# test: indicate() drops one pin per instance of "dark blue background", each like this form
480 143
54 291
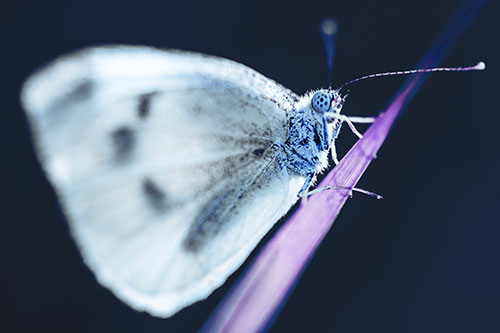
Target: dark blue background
424 259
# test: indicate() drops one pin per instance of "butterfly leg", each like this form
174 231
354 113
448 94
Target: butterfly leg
360 120
304 190
351 120
352 127
326 188
334 153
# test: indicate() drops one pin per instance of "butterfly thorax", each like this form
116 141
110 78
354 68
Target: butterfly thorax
309 137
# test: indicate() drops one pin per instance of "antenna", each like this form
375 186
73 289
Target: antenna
477 67
328 29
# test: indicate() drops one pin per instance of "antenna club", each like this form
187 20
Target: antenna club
480 66
329 26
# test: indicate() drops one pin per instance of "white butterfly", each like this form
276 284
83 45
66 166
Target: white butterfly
171 166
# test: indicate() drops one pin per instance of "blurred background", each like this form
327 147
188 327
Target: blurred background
423 259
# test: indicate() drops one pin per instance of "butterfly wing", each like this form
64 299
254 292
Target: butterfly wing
167 165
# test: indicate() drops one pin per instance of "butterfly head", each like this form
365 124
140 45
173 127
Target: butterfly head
327 102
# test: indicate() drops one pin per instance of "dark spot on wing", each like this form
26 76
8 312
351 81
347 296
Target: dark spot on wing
123 140
155 196
258 152
82 90
144 105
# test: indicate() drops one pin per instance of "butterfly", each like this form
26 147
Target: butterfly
171 166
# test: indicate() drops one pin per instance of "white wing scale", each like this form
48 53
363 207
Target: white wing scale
165 165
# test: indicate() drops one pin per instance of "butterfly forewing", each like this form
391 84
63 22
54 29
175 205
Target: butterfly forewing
166 165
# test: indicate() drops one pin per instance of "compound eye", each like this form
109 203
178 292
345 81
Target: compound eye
321 101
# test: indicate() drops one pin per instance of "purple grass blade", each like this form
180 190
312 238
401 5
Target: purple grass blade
257 297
